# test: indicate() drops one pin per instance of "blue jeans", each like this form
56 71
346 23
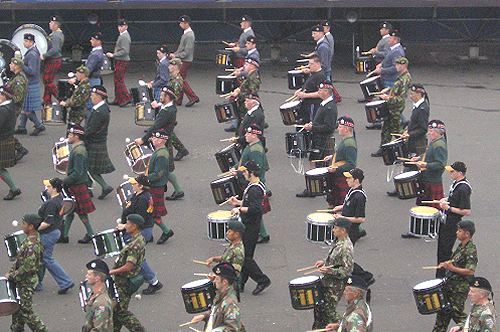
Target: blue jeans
49 240
148 273
156 94
23 118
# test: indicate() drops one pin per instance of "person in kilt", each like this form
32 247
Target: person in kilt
78 100
96 136
7 141
77 181
52 59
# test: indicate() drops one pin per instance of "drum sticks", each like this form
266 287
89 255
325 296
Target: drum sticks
291 98
199 262
432 267
318 330
228 139
317 270
193 329
370 73
431 202
221 175
306 268
225 95
201 274
225 43
186 324
325 210
225 202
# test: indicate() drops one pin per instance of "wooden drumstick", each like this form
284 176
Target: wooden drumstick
298 126
433 267
225 202
228 139
365 53
370 73
304 55
317 161
186 324
301 129
291 98
325 210
397 135
221 175
306 268
411 162
225 42
225 95
201 274
431 202
318 330
199 262
317 270
193 329
228 48
403 159
229 69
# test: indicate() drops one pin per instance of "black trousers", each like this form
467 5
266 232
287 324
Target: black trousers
250 267
446 240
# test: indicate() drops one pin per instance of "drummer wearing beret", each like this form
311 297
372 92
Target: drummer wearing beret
77 103
382 47
483 313
253 116
52 59
99 309
162 75
95 60
387 68
323 50
459 272
240 47
24 273
253 53
18 83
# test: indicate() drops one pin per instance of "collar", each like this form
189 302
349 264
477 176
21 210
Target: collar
96 106
96 48
250 51
327 100
247 29
394 46
167 105
328 33
163 59
253 109
320 40
7 102
385 36
419 102
187 30
121 33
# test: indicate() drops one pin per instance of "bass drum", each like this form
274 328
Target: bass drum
41 40
7 51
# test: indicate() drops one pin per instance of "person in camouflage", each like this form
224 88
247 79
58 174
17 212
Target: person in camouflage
396 100
225 314
358 316
127 275
336 268
78 100
98 309
459 273
18 83
482 317
25 274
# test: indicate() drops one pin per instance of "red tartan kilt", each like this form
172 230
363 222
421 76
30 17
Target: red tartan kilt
51 66
336 95
338 190
431 191
84 204
266 204
238 62
159 208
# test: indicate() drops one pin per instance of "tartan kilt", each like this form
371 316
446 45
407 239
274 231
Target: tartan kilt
338 189
99 162
170 148
50 67
431 191
33 100
84 204
7 152
159 208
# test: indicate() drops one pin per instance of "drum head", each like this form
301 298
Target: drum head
290 104
304 280
7 50
406 175
196 284
369 80
375 103
322 218
40 37
228 148
428 284
426 211
68 206
220 214
108 231
317 171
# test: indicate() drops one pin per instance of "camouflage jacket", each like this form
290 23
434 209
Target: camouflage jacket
251 84
28 261
19 85
225 313
464 257
357 317
482 318
234 255
99 317
175 83
340 257
399 91
80 95
133 252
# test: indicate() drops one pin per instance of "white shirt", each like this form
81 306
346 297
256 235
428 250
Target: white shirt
326 101
187 30
385 36
250 111
418 103
97 48
7 102
247 29
320 40
163 59
96 106
167 105
250 51
394 46
121 33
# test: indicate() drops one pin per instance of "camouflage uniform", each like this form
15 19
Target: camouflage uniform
396 105
175 83
457 287
25 274
341 257
234 255
78 102
225 314
356 317
19 85
482 318
250 84
133 252
99 315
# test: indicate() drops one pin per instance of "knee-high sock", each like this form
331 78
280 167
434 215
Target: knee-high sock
88 227
67 223
5 175
163 226
99 179
173 180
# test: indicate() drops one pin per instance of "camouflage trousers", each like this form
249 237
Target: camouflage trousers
327 312
391 125
456 312
176 143
122 316
26 315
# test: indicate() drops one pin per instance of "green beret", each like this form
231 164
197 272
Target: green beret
32 219
136 219
17 61
83 70
175 61
402 60
236 226
342 222
467 225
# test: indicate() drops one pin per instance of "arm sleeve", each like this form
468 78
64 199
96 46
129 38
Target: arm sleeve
123 47
51 212
463 201
351 156
254 200
440 160
160 169
29 66
78 170
94 126
232 319
188 48
344 269
330 120
91 64
28 265
421 127
163 77
162 120
56 47
360 204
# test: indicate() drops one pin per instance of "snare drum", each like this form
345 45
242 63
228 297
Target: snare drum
144 114
290 112
68 204
198 295
52 115
319 227
217 224
225 111
141 94
108 243
9 298
223 58
60 156
392 150
297 144
86 291
124 192
424 220
13 242
316 181
306 292
407 184
228 157
225 84
429 296
224 188
296 79
64 89
364 64
376 111
371 85
136 157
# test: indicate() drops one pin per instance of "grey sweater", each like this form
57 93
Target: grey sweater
56 41
242 41
32 65
185 51
122 47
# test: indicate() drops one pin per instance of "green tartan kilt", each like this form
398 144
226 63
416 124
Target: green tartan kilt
99 162
7 152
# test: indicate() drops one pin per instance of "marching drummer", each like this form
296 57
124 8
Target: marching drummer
336 268
126 272
80 97
382 47
162 74
95 60
240 47
253 116
225 313
323 50
459 271
387 68
24 273
99 310
253 53
52 59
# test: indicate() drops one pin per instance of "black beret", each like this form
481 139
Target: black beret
56 18
346 121
317 28
185 18
75 128
467 225
342 222
395 33
97 36
254 129
122 21
386 25
162 48
98 265
169 92
480 282
436 124
246 18
252 39
236 226
357 281
100 90
29 36
160 134
225 270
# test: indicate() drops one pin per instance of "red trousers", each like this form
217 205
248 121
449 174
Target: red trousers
50 69
185 86
122 95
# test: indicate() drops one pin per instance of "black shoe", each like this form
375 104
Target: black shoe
152 289
175 196
10 196
105 193
164 237
264 239
408 235
37 131
181 154
269 193
374 126
192 102
21 153
63 239
85 239
377 153
65 290
260 287
362 233
393 193
305 193
230 130
20 131
113 103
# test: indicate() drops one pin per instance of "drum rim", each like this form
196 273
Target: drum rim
312 221
399 176
223 179
422 214
233 78
15 234
107 231
220 211
230 147
376 102
295 71
291 104
198 283
430 286
312 280
325 169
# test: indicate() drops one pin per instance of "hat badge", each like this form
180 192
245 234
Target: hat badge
93 265
349 281
476 283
